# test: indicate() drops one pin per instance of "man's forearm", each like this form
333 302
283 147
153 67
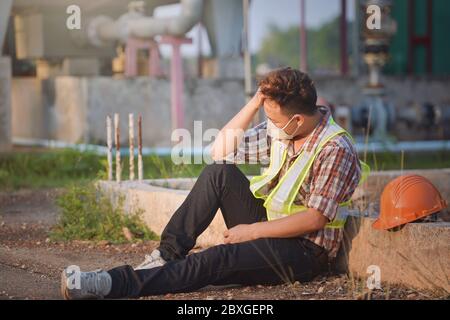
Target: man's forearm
231 135
291 226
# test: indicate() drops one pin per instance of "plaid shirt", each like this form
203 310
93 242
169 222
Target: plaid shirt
333 177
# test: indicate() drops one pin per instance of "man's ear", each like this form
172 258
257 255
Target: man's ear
300 118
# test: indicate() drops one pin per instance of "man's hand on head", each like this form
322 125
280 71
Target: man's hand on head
258 99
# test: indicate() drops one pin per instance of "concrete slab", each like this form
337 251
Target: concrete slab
159 203
416 256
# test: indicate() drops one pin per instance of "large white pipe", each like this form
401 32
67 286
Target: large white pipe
103 29
375 147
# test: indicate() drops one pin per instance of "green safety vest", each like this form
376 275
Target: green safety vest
280 201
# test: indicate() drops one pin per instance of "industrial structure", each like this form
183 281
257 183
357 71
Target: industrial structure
74 76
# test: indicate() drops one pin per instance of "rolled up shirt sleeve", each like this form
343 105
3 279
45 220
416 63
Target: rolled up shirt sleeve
335 176
253 149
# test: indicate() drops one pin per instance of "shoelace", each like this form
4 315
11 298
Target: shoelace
93 283
148 259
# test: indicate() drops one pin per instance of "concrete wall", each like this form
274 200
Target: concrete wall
416 256
5 103
30 113
73 109
70 110
400 90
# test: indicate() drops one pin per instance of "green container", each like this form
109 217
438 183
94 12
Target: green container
398 64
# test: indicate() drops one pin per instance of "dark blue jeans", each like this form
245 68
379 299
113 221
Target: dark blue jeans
263 261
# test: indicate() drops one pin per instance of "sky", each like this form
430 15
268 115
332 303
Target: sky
263 13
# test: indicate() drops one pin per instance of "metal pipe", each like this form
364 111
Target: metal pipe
246 49
407 146
109 144
248 87
200 51
343 35
303 38
102 30
355 40
411 32
177 79
131 142
429 46
117 141
140 163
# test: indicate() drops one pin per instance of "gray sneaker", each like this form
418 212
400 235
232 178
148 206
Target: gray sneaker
90 285
152 261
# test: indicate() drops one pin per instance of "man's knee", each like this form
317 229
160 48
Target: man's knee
219 168
222 175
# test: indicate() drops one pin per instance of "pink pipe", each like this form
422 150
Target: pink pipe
176 69
131 52
176 74
154 63
130 59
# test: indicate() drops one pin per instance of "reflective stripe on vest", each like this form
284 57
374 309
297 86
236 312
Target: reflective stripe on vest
280 201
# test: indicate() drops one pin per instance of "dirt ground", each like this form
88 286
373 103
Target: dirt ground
30 264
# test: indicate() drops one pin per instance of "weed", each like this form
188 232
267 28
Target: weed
88 214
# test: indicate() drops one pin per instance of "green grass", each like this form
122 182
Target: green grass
88 214
392 161
64 168
47 169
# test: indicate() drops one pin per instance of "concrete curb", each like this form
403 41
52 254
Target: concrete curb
416 256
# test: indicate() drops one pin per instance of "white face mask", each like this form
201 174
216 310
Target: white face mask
279 133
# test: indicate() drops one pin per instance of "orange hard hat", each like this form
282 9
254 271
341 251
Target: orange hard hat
407 199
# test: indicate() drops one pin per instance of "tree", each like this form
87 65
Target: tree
282 47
